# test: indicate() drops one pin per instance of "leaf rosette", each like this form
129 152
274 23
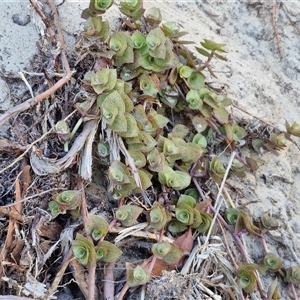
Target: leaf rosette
119 173
139 42
278 140
156 40
96 227
95 26
104 80
293 275
268 223
84 250
153 16
100 6
193 99
247 277
136 275
271 262
132 8
206 220
231 215
156 160
177 180
158 216
217 169
170 253
127 214
68 200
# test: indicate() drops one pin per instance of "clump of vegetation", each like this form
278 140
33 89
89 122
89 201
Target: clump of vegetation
163 135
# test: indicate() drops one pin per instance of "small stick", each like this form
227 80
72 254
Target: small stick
84 215
274 13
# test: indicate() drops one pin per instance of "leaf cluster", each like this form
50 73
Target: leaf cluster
84 248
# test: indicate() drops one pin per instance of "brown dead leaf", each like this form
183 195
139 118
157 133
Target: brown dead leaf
11 148
185 241
159 266
156 81
50 230
26 178
16 251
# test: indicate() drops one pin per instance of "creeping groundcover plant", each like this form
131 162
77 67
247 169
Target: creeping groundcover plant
168 143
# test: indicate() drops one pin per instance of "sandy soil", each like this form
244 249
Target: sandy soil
254 76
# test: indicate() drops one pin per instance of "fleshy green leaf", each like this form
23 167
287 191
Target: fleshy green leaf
127 214
196 80
103 149
107 252
147 85
221 115
211 45
173 255
187 200
118 173
175 226
268 223
199 123
293 129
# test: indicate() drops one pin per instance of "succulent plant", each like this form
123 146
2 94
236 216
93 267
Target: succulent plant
271 262
67 200
158 216
84 250
170 253
96 227
247 277
127 214
136 275
293 275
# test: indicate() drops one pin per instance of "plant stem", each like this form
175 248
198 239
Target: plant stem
79 122
293 291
